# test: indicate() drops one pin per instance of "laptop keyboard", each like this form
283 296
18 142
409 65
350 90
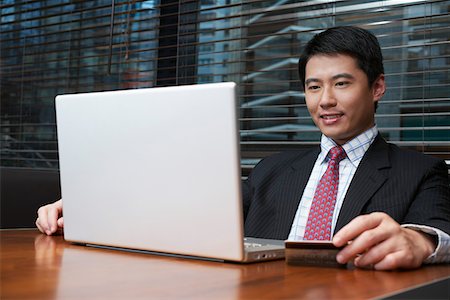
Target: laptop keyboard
257 244
249 245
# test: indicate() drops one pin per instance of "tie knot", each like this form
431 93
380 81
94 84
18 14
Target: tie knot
337 153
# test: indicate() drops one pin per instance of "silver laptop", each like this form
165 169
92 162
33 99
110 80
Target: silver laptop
156 169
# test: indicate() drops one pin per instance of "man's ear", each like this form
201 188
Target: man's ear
379 88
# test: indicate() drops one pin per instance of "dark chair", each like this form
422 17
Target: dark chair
23 191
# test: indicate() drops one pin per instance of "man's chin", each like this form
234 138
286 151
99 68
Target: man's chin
338 137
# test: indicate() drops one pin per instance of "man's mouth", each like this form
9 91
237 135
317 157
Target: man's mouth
331 117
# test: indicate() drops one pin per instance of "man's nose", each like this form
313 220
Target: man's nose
327 98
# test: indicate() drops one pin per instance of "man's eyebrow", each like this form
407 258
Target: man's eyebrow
343 75
335 77
309 80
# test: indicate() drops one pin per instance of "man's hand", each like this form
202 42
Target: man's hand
50 218
379 241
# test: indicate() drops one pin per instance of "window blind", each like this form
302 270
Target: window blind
53 47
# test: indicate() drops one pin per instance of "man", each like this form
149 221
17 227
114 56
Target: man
370 187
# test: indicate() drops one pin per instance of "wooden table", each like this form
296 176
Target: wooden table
36 266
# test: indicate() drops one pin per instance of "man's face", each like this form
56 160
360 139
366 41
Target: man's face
338 96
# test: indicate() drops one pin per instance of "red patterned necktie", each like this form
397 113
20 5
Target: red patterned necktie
320 218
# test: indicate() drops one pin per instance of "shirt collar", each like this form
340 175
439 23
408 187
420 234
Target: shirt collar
355 148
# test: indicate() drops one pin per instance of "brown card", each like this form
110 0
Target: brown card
312 253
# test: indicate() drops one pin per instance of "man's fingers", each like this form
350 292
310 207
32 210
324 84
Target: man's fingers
42 220
48 217
363 244
364 233
388 262
53 215
61 222
378 240
356 227
375 254
396 260
39 226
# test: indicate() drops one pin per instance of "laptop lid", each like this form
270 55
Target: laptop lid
154 169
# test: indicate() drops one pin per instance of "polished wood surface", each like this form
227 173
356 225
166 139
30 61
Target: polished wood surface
36 266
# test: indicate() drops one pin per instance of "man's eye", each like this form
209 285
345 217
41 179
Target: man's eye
313 87
342 83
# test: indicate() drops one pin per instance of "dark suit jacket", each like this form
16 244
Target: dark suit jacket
407 185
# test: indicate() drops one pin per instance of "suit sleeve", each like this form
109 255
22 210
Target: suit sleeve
431 205
246 197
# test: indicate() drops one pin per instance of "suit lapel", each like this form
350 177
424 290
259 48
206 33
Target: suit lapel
295 179
367 180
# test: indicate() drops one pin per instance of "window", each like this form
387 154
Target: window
54 47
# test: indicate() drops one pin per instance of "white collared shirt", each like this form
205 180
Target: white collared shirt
355 150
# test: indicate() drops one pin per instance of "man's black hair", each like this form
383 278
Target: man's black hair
353 41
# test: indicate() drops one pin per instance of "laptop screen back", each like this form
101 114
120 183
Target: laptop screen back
153 169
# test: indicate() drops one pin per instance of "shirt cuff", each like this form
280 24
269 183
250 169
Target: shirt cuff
441 253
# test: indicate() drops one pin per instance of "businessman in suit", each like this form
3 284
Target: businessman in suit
389 207
380 185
